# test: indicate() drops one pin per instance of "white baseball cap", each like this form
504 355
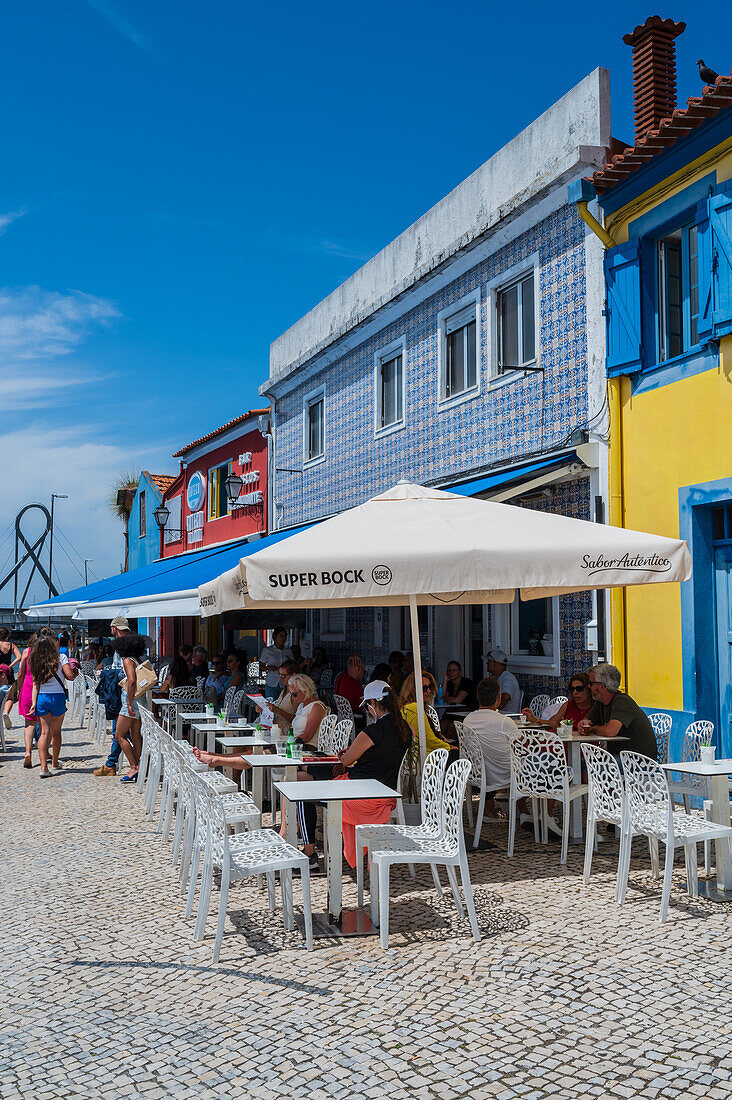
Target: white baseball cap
497 655
376 690
120 622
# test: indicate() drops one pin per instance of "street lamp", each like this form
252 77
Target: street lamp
233 486
86 575
54 498
162 515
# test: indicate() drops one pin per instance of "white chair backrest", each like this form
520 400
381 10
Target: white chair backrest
538 705
453 793
661 723
342 735
647 796
238 701
326 730
188 692
558 699
697 734
326 678
343 707
606 783
538 763
472 750
433 717
433 775
229 700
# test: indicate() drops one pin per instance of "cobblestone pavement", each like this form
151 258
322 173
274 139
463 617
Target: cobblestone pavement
567 995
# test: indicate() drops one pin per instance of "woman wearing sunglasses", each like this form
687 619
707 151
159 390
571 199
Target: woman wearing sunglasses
578 704
408 704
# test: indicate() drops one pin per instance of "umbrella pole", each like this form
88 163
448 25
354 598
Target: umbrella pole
418 694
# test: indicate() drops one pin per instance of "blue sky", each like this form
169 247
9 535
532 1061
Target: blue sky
183 180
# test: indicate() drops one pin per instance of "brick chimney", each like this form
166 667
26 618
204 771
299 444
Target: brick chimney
654 71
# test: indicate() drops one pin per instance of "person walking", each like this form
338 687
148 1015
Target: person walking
48 700
24 687
119 628
128 731
11 656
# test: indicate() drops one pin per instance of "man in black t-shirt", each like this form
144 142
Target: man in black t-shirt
615 714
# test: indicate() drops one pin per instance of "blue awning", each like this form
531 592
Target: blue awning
167 587
513 475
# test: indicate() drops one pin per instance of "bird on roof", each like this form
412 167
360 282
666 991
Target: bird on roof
708 75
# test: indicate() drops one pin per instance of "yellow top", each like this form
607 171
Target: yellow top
432 741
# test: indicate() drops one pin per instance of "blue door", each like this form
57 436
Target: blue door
723 586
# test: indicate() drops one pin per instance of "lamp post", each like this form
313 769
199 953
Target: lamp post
54 498
86 575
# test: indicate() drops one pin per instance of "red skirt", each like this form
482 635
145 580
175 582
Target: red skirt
367 811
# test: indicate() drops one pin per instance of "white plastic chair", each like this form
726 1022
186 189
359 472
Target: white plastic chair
433 717
472 750
606 803
539 770
256 853
558 700
538 705
343 708
661 723
649 810
430 825
697 734
448 849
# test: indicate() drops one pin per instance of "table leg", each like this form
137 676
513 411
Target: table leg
291 813
575 820
720 813
179 723
335 860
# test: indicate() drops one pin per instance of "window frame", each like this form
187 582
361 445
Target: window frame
143 514
174 531
309 400
210 495
333 635
443 318
384 355
505 631
683 225
504 281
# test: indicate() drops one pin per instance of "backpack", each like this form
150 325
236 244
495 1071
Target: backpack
108 691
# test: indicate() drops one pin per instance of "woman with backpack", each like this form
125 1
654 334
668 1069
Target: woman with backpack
48 699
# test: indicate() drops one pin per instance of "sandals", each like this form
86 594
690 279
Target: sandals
129 778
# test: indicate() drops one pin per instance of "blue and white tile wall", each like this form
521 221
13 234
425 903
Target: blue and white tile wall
531 413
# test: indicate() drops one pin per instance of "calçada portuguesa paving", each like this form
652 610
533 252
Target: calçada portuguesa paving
106 994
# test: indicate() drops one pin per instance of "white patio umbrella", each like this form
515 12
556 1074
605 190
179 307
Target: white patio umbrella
414 546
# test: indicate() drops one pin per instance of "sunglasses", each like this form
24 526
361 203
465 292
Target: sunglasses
578 687
426 687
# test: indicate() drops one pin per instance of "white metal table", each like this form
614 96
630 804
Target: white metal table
213 731
717 778
335 792
258 764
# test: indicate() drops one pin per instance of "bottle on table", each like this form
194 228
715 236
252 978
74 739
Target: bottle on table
290 749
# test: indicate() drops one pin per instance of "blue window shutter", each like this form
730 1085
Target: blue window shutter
704 259
622 281
720 222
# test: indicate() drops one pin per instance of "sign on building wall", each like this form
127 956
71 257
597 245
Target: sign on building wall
194 527
196 492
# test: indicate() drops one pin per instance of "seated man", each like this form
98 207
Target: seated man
615 714
493 730
349 684
510 691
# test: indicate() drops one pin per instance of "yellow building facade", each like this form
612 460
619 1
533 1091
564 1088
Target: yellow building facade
667 214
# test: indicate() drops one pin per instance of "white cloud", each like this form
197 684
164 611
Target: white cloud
121 24
37 323
9 218
80 462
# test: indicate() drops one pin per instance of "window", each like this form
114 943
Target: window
529 632
218 503
143 516
461 358
333 622
677 259
389 387
172 531
516 322
314 442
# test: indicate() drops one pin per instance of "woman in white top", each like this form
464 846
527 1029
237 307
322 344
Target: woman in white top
48 701
309 712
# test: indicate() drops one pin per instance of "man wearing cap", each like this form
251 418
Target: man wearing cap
119 627
496 662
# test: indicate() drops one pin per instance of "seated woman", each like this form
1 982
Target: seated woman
178 675
234 663
408 704
578 704
458 691
376 753
217 681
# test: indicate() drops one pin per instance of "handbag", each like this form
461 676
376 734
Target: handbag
147 678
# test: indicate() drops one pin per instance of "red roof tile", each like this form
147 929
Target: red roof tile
219 431
715 98
163 481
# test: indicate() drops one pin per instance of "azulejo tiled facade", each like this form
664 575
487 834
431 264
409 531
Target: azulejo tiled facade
505 420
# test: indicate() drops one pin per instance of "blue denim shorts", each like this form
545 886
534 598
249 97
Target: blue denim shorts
135 706
51 702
